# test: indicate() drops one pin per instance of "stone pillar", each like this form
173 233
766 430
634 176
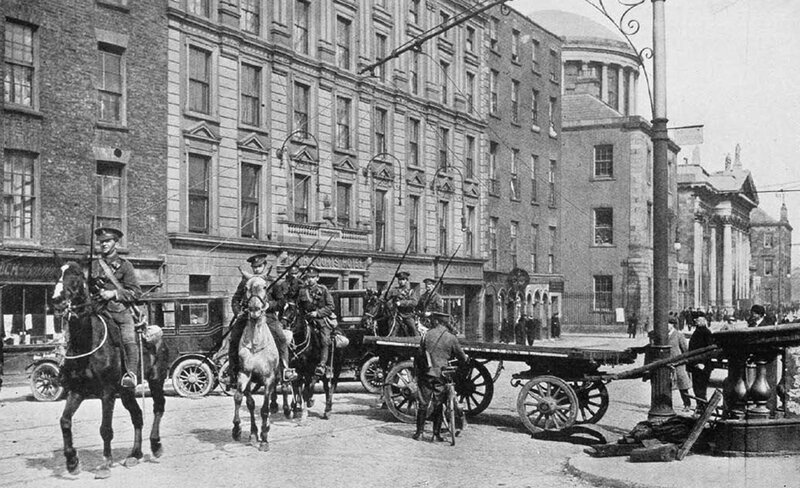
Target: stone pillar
604 83
697 260
712 269
621 91
727 266
631 92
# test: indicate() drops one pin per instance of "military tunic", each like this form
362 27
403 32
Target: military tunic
403 299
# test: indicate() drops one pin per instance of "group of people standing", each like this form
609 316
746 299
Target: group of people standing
528 329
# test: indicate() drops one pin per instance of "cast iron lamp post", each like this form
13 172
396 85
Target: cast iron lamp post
661 387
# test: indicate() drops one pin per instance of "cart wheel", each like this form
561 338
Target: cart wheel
400 392
193 378
44 383
547 403
223 380
372 375
474 388
592 400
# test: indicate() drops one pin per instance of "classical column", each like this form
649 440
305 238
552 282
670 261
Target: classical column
698 262
604 83
727 265
621 91
634 90
713 282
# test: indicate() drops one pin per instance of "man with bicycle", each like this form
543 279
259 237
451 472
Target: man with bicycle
436 349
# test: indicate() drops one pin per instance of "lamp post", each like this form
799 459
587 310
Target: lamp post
379 157
661 388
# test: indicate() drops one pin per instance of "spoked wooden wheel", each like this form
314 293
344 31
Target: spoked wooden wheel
592 400
372 375
400 392
474 388
547 403
44 382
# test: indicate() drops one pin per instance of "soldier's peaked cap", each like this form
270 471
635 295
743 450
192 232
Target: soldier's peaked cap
106 233
312 271
759 309
429 280
257 259
402 275
440 316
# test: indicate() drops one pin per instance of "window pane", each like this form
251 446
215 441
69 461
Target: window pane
301 198
251 18
343 204
199 80
301 27
250 184
198 193
18 195
251 95
18 78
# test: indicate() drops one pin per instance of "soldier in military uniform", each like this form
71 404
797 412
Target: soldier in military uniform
316 304
437 347
430 301
275 302
402 299
290 289
114 283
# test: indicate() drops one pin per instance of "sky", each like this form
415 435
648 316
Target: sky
732 66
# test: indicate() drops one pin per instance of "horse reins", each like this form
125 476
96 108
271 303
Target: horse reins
105 335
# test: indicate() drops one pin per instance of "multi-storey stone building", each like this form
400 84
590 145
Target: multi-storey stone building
771 259
277 140
84 133
523 177
607 179
714 233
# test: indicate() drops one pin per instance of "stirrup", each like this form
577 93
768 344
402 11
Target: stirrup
319 371
128 380
289 375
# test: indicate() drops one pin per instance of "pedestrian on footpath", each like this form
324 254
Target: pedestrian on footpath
700 371
555 326
633 324
680 377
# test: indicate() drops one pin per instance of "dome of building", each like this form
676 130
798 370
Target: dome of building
574 27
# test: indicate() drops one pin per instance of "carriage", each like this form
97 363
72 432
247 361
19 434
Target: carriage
564 385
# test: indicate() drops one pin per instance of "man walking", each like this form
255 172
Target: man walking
114 282
700 371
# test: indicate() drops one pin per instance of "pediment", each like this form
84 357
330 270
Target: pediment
303 155
472 191
253 142
446 186
203 132
416 179
384 173
346 165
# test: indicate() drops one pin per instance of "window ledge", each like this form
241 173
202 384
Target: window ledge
253 128
603 178
347 152
603 246
516 62
111 126
536 70
115 5
516 124
535 202
516 200
536 128
494 115
495 52
199 115
23 109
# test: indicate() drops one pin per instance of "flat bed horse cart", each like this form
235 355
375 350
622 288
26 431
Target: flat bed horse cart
564 386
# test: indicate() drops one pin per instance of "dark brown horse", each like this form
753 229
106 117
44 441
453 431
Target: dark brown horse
304 354
93 367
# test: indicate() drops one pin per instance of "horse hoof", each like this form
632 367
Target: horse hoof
274 408
74 467
102 474
310 403
130 462
263 447
236 433
287 413
156 448
326 416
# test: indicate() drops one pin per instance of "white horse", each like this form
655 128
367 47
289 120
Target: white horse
258 361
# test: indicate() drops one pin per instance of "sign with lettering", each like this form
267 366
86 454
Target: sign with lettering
18 270
333 262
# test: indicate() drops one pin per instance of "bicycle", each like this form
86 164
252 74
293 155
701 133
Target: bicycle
453 418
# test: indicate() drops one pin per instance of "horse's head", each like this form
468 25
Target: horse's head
256 287
71 288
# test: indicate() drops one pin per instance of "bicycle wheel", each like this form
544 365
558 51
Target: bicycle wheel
450 414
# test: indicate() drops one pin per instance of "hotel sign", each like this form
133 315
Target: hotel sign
334 262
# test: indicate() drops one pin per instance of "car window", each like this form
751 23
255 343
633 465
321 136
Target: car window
194 315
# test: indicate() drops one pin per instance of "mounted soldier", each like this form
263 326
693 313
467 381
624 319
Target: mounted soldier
274 303
315 303
430 301
114 282
403 301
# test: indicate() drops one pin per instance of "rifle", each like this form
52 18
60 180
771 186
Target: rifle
315 257
441 276
389 286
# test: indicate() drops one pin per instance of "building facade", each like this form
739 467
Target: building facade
277 140
523 207
608 180
771 260
84 133
714 233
